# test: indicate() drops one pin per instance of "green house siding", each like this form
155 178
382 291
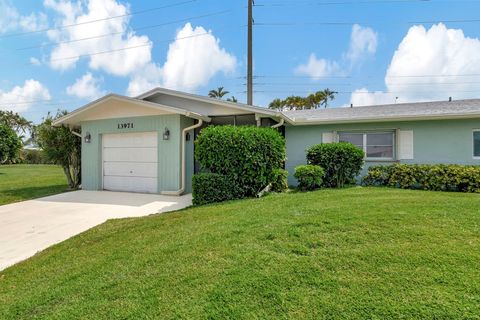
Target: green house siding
189 160
169 157
440 141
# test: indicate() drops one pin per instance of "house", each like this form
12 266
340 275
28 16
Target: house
145 144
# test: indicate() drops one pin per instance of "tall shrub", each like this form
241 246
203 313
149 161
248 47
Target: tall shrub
10 145
342 162
248 156
61 147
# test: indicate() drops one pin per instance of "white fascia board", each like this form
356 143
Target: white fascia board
306 122
133 101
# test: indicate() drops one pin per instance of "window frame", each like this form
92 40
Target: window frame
473 144
365 146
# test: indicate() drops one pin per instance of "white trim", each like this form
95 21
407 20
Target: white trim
473 144
142 103
306 122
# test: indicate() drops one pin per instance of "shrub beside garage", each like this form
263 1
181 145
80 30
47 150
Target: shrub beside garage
242 161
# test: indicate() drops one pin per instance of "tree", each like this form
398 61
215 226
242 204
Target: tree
232 99
312 101
277 104
328 95
10 144
15 121
218 93
61 147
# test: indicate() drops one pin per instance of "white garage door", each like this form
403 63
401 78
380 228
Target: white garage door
130 162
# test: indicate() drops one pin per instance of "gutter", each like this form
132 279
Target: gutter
182 186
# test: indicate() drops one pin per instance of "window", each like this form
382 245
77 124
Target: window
376 145
476 144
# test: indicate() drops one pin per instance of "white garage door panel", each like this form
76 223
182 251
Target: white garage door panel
125 140
131 184
130 155
127 169
130 162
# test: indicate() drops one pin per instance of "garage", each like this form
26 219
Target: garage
130 162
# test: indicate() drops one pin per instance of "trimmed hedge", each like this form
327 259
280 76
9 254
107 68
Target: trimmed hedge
309 177
342 162
212 187
249 156
440 177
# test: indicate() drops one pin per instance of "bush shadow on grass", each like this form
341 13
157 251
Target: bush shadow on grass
29 193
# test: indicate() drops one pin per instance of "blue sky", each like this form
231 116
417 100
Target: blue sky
375 52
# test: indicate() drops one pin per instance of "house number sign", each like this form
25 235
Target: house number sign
125 125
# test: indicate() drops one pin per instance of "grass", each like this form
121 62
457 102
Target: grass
359 253
24 182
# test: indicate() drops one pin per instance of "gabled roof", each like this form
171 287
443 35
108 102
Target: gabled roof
394 112
75 117
195 97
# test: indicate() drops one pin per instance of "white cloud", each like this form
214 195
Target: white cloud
11 19
21 98
34 61
86 87
363 42
192 60
120 63
434 61
317 68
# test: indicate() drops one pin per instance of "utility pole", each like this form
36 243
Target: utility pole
250 54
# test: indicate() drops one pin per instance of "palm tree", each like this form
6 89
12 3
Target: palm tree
232 99
218 93
277 104
328 94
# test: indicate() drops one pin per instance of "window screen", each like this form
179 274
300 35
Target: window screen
476 144
380 145
376 145
354 138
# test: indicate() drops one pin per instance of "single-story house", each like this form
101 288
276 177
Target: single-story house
145 144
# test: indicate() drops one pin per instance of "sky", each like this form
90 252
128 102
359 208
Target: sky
58 54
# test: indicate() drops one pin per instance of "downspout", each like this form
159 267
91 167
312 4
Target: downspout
76 134
182 180
278 125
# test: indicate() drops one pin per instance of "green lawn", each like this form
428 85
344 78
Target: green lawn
23 182
359 253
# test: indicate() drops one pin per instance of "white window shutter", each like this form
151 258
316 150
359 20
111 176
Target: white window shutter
405 145
328 137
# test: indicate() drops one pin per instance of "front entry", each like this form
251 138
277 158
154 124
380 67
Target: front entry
130 162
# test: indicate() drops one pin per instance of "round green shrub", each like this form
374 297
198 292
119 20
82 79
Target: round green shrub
342 162
309 177
247 155
10 145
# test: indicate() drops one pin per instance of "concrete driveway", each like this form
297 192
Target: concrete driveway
31 226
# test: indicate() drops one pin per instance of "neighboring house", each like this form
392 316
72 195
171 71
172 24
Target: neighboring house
145 144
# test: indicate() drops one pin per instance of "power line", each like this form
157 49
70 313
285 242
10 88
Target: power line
330 3
98 20
121 32
370 22
145 44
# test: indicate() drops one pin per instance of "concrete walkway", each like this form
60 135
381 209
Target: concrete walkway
31 226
